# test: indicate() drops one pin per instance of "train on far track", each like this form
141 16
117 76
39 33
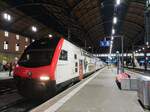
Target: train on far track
49 64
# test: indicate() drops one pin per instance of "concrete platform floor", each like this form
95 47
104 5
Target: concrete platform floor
97 93
5 75
102 95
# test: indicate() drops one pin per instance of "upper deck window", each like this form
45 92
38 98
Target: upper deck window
63 55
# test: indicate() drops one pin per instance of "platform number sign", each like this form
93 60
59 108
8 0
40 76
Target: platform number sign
105 43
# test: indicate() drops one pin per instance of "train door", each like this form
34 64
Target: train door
80 69
75 64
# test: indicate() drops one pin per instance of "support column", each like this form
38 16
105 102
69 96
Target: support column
145 60
133 65
69 33
85 45
122 47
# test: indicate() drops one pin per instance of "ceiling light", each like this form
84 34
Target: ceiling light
143 48
139 49
7 17
117 2
112 38
113 31
115 20
111 42
34 29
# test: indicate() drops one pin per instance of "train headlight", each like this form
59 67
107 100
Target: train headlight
44 78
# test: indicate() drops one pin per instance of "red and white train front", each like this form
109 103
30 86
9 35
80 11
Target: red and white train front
50 64
35 71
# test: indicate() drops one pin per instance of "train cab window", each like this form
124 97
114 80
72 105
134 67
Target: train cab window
76 67
39 53
63 55
75 56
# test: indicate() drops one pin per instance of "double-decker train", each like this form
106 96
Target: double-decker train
51 63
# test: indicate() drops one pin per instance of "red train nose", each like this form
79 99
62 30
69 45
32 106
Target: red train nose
41 73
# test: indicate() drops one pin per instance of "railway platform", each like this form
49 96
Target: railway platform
5 75
97 93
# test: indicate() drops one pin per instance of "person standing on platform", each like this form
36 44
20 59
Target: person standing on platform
10 68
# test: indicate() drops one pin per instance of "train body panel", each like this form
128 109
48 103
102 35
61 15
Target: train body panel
66 66
75 64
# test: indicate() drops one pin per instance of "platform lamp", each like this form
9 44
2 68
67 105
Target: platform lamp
118 59
147 30
115 20
122 50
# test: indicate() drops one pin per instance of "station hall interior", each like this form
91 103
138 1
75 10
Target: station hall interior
75 55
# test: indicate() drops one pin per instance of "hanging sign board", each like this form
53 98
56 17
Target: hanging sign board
105 43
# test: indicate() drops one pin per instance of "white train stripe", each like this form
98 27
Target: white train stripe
63 100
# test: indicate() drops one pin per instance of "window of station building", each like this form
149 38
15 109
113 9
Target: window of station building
26 39
6 33
17 47
63 55
5 45
17 37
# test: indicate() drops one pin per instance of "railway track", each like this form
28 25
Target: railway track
22 105
5 107
7 87
4 91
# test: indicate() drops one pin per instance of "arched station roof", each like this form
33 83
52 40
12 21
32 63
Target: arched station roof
86 20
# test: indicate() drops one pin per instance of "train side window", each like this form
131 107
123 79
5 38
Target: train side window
75 56
63 55
76 64
76 69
